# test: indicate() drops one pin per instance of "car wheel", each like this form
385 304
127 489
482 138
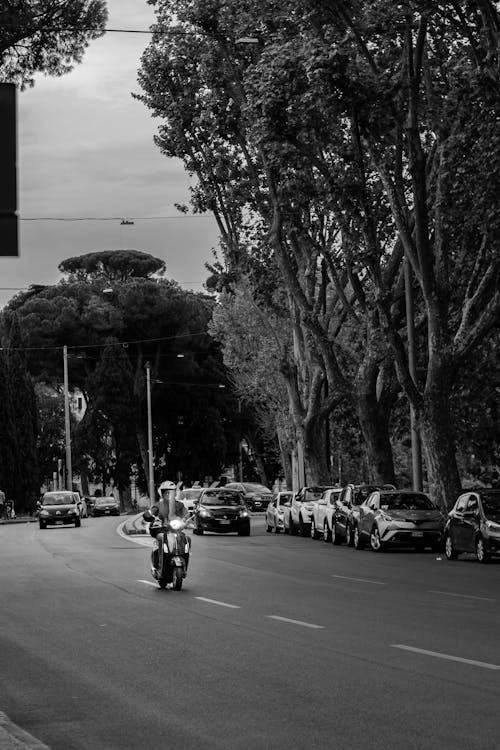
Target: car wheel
375 541
349 536
78 523
162 583
449 549
277 529
199 530
42 525
269 528
327 534
244 532
304 528
482 555
293 528
335 537
358 542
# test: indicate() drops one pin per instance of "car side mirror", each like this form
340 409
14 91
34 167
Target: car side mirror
195 503
148 516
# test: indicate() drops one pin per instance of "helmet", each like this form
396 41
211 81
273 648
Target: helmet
166 486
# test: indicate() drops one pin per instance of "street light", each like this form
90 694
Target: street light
67 435
150 436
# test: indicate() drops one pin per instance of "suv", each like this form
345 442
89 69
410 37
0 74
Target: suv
59 509
473 525
298 517
255 496
347 513
324 514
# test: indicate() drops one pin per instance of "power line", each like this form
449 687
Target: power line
112 218
124 344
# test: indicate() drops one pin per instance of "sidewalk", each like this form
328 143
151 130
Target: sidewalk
135 525
18 519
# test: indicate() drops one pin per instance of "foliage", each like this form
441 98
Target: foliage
46 36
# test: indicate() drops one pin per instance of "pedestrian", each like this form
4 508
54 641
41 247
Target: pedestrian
2 503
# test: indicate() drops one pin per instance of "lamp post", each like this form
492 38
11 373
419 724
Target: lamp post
150 436
67 435
416 447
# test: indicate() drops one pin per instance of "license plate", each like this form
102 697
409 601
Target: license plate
257 505
417 533
58 523
224 521
107 511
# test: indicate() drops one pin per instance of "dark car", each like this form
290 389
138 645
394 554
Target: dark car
59 509
106 506
403 518
256 496
473 525
347 510
221 510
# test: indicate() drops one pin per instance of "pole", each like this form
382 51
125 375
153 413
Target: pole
67 434
150 437
416 447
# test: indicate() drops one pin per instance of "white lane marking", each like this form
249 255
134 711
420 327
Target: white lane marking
148 583
449 657
220 604
363 580
463 596
296 622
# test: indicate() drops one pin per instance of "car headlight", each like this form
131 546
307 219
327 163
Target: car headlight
492 526
243 513
44 513
72 512
205 513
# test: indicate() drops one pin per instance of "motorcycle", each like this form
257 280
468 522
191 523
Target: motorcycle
170 554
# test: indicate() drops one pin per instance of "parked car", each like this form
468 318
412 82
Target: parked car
58 508
399 517
297 518
256 496
473 525
346 517
189 496
324 513
82 505
89 501
275 511
106 506
221 510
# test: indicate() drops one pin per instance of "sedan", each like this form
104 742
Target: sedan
473 525
190 496
58 509
221 510
399 517
256 496
275 511
106 506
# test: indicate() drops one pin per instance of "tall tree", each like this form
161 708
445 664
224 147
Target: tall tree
46 36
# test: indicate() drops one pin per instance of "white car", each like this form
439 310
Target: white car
82 505
298 518
324 513
189 496
275 511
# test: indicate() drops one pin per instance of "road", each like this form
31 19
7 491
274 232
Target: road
275 642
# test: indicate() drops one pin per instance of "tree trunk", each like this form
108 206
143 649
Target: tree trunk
143 450
316 466
439 445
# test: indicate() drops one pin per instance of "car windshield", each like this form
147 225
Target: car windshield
190 494
313 493
361 494
255 488
59 499
221 498
491 502
405 501
105 501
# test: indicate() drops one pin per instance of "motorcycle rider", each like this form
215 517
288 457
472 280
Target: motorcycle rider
168 508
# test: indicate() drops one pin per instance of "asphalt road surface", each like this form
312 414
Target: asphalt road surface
274 642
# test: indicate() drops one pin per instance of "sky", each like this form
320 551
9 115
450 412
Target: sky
85 149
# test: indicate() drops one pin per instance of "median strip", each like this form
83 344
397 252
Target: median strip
449 657
296 622
220 604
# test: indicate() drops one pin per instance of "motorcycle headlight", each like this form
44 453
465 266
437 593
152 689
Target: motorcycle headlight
176 524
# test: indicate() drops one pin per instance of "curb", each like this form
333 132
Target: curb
13 737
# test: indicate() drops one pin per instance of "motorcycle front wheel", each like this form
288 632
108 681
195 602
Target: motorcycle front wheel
177 579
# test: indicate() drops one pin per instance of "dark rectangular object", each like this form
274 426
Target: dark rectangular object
8 171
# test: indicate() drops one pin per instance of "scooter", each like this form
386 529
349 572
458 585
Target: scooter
170 555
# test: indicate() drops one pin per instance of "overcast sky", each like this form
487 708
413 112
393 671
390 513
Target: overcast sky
86 149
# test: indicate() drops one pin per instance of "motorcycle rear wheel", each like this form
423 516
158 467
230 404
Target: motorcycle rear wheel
177 579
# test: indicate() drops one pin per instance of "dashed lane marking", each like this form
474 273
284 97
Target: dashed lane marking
296 622
362 580
449 657
463 596
214 601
